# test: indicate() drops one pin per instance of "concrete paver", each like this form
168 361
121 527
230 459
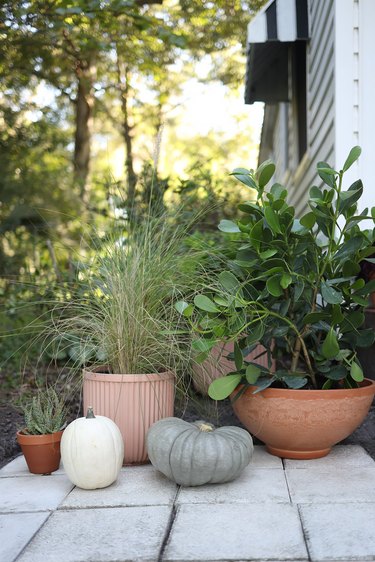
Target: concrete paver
322 510
254 485
139 485
340 531
126 534
342 456
16 530
262 459
331 486
236 532
39 493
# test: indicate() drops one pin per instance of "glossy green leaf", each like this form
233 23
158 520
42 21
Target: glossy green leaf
349 248
294 382
238 357
329 294
229 281
202 345
315 193
243 175
367 289
308 220
286 280
228 226
267 254
352 321
336 373
356 372
314 317
278 191
252 373
273 286
223 387
326 173
181 306
255 333
364 338
351 268
299 287
263 383
272 219
330 347
354 154
204 303
265 172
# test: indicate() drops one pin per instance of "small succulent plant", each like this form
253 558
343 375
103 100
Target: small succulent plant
45 413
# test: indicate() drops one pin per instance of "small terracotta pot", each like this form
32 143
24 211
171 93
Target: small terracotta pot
303 424
42 452
218 365
133 402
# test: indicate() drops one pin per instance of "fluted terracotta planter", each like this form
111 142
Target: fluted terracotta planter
133 402
218 365
41 452
303 424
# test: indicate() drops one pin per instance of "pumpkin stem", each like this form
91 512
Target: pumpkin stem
206 427
90 413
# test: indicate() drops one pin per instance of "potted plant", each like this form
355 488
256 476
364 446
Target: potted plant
45 418
293 288
121 319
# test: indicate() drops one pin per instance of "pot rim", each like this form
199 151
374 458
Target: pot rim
95 374
367 386
40 439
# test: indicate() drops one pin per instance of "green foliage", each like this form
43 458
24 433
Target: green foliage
293 286
122 314
45 413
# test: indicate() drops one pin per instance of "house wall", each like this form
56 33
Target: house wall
340 102
355 91
299 176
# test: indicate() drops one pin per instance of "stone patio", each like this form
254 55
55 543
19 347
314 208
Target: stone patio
320 510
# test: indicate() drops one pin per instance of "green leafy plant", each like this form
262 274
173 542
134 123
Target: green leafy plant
293 286
45 413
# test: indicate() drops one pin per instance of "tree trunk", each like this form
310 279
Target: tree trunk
123 85
83 122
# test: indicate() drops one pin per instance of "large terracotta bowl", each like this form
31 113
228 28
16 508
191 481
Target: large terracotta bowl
303 424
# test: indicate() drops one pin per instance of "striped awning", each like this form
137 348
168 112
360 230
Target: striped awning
279 24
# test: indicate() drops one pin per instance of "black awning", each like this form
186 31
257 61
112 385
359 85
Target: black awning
270 34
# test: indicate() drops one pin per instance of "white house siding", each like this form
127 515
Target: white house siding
299 176
320 103
355 90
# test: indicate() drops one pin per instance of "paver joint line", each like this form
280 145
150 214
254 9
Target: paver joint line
305 532
33 535
169 526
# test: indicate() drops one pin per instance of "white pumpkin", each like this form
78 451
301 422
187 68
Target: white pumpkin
192 454
92 451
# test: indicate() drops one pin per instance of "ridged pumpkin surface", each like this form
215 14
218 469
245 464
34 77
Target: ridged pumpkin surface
193 454
92 451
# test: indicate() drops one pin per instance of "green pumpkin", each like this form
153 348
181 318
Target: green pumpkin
192 454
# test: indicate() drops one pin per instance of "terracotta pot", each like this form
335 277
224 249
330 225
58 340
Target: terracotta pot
133 402
217 365
42 452
303 424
